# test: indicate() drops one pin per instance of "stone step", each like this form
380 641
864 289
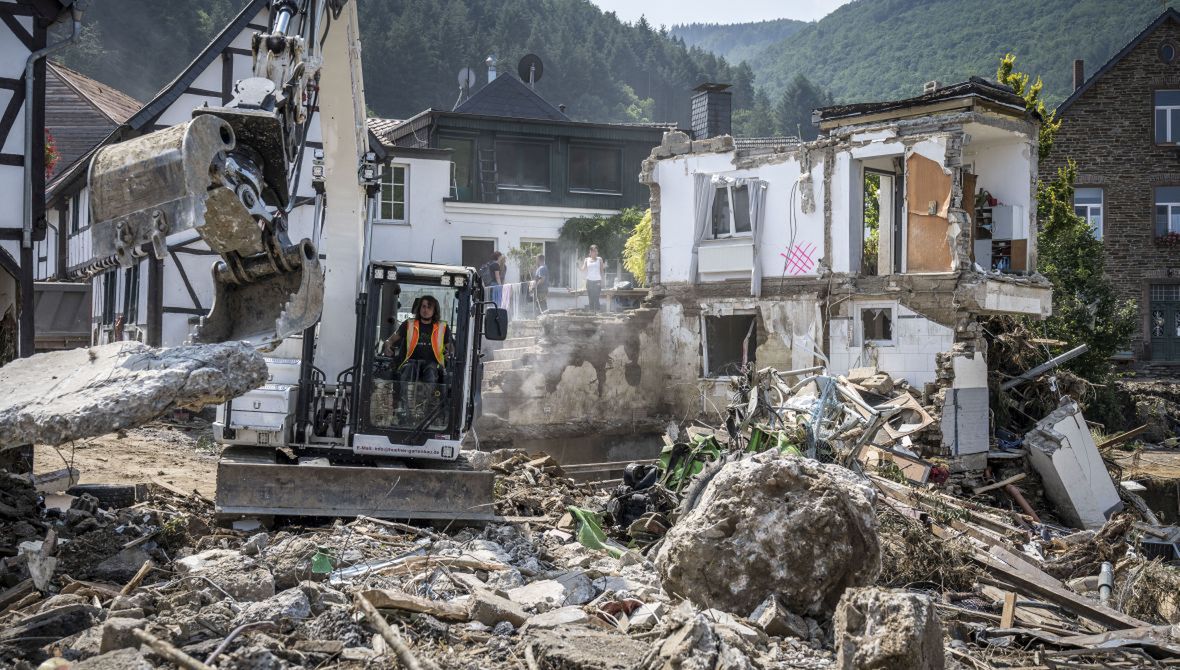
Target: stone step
510 354
524 329
495 366
518 342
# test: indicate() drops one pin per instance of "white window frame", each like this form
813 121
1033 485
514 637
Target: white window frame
1168 110
732 234
388 173
1088 210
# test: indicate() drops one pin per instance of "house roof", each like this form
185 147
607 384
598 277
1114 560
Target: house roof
110 102
414 130
382 127
510 97
1169 14
975 88
9 264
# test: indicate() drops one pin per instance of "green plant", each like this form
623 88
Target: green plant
636 249
872 217
1086 308
608 232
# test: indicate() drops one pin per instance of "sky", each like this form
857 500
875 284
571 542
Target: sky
671 12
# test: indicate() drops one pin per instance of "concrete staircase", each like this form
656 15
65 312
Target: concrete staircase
501 359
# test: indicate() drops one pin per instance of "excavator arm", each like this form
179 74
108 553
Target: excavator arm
230 175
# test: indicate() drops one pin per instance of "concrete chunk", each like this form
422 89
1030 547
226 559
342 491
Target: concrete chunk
57 397
490 609
117 633
880 628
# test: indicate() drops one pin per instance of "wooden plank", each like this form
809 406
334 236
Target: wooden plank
1000 484
14 594
1123 437
400 600
1046 587
1009 612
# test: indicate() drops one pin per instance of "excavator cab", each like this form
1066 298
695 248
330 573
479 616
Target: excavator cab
406 406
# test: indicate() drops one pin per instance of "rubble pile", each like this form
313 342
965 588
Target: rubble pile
804 531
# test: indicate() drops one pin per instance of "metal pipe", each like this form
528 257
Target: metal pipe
30 63
1105 582
1044 367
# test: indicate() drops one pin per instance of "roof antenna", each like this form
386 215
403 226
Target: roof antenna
530 69
466 82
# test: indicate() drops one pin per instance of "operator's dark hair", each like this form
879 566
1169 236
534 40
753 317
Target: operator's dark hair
433 303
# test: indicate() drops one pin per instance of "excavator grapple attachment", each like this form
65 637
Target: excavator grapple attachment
203 176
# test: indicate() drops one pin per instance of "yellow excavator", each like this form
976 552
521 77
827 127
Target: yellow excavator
342 428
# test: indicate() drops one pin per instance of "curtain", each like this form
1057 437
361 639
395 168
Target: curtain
756 190
703 196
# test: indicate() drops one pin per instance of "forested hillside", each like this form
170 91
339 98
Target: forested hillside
736 42
878 49
601 68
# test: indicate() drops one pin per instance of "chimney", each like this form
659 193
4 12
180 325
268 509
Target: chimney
1079 73
712 111
491 61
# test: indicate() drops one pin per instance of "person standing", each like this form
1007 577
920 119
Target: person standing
595 268
541 285
491 276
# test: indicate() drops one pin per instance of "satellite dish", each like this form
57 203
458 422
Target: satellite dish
466 78
530 69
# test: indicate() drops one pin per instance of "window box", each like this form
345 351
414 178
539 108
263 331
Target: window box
1168 240
726 257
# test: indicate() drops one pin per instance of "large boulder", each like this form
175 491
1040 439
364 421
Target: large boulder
774 524
879 629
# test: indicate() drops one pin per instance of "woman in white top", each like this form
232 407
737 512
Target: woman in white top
594 267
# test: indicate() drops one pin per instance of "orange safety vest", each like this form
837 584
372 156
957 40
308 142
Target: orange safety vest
439 331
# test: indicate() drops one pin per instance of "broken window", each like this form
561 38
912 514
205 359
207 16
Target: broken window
731 211
877 324
1167 117
730 343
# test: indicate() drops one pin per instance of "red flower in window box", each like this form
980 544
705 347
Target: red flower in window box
1168 240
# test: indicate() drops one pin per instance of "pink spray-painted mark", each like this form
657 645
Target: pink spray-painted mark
797 260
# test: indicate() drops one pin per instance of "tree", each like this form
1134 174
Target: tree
609 233
636 249
1086 308
795 107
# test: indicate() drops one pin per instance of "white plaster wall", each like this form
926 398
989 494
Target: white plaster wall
1003 168
916 340
12 61
676 177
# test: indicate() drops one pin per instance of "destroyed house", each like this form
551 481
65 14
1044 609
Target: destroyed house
874 247
503 171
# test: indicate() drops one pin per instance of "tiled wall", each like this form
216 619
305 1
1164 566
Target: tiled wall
910 355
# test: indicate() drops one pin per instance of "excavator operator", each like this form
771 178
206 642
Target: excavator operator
427 340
